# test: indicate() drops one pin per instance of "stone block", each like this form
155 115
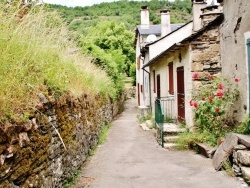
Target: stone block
200 57
205 150
215 47
246 174
224 150
196 67
23 139
244 139
206 67
243 157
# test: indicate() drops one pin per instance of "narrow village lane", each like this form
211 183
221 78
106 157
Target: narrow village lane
131 158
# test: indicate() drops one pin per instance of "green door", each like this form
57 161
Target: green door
248 55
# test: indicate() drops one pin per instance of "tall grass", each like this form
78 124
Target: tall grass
36 54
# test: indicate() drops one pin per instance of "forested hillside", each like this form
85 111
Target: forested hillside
127 12
106 31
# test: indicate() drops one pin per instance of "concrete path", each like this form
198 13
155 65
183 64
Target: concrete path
131 158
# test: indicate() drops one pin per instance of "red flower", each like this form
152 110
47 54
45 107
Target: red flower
217 109
191 102
220 94
210 99
195 104
220 86
236 79
203 98
211 77
195 75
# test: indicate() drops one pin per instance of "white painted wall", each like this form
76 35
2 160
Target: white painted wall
161 67
175 37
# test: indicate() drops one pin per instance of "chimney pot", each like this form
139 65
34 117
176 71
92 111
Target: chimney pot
144 16
165 22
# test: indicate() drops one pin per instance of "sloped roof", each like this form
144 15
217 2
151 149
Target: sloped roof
155 29
215 22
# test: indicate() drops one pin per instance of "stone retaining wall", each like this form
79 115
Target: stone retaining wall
48 149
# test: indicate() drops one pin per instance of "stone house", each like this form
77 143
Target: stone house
174 58
144 34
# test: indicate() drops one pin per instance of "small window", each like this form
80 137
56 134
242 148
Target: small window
154 81
171 78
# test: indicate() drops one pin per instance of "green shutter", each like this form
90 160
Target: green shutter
248 55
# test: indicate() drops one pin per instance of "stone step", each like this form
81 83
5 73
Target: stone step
144 127
170 139
172 129
149 124
170 146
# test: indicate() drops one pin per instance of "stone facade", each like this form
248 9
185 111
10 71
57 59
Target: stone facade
52 145
233 47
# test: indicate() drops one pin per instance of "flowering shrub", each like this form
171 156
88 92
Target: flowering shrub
213 103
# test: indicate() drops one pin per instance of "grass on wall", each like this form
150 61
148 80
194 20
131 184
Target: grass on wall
36 53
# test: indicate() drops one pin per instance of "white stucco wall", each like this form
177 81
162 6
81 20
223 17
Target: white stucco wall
175 37
161 67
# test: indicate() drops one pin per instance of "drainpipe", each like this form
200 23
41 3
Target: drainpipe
149 83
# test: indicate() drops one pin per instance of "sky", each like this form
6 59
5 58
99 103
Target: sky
82 3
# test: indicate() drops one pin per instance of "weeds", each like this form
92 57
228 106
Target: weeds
36 54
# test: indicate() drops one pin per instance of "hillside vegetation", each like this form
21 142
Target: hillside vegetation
127 12
106 31
37 56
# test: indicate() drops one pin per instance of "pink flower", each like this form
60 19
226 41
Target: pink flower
195 75
220 86
217 109
236 79
220 94
211 77
210 99
191 102
195 104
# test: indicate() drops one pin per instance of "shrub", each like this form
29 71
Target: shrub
213 105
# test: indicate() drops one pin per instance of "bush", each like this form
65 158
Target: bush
213 106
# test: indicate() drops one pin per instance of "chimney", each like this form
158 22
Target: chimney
165 22
197 6
144 16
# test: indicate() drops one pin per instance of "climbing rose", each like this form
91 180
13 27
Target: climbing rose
210 99
211 77
236 79
217 109
195 75
220 86
191 102
195 104
219 94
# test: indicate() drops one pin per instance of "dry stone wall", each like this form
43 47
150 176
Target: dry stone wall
49 148
206 58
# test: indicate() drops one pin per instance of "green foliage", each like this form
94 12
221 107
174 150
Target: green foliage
35 56
111 46
213 107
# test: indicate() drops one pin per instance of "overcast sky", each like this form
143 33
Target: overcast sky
73 3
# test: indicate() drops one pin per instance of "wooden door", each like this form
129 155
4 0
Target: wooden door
138 93
158 85
180 94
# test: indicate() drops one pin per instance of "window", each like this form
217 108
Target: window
154 81
171 78
138 63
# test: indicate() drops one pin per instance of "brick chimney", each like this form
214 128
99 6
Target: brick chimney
165 22
144 16
197 6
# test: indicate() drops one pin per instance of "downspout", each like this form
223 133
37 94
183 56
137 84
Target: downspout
149 83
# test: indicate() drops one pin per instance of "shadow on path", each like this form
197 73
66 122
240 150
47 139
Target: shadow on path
131 158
